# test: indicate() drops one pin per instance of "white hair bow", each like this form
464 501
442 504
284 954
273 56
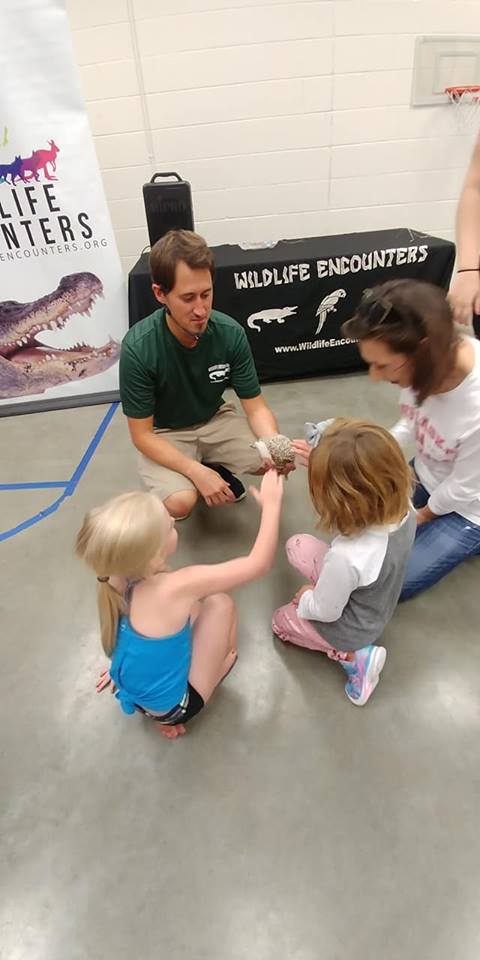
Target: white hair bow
313 432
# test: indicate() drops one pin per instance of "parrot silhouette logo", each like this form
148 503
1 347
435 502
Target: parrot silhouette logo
328 305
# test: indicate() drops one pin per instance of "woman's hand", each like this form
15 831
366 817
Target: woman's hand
424 515
271 490
300 592
464 296
302 451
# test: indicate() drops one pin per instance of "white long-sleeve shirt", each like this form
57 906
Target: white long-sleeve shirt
446 433
349 617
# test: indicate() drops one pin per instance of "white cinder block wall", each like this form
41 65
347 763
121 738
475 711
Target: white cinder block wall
289 118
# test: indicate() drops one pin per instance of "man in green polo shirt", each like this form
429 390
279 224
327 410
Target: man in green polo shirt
174 367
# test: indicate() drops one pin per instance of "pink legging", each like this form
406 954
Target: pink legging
306 554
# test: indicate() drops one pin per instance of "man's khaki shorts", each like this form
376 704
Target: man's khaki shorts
225 439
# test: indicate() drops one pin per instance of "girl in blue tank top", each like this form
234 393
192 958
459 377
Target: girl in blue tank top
171 635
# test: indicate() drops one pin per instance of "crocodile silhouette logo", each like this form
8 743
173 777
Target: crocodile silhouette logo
219 373
328 305
266 316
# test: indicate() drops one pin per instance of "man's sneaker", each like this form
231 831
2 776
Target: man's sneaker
363 673
236 485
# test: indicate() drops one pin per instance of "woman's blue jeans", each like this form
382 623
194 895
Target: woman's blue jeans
439 547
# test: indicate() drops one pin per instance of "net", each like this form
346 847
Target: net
466 101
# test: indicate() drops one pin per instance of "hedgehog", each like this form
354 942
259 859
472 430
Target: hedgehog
278 449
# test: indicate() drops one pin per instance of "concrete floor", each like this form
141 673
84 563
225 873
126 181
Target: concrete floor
287 825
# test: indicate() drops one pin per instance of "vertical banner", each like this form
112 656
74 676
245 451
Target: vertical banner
63 308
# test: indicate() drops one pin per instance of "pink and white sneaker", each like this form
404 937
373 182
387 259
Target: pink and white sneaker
363 673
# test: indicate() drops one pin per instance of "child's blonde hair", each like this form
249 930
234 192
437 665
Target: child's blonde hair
358 477
122 538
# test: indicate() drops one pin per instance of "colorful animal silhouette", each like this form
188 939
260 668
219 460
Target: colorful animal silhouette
12 170
40 160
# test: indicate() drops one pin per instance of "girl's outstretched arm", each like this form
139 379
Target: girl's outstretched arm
201 581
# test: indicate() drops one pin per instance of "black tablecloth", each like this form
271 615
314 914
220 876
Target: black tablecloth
292 298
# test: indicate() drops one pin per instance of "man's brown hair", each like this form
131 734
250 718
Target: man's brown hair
358 477
414 318
174 246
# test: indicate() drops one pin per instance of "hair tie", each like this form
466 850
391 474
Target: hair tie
313 432
103 579
376 309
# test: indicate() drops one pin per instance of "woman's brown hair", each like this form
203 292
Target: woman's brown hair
358 477
174 246
413 318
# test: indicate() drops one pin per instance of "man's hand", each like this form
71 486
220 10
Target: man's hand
302 451
264 446
282 471
210 485
287 468
464 296
300 592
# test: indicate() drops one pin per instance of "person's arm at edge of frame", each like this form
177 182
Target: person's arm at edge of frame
464 293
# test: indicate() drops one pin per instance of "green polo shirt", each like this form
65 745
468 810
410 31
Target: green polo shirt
178 385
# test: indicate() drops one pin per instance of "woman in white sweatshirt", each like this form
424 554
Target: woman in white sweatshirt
407 337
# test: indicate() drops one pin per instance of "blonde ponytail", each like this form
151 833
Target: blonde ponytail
111 606
121 539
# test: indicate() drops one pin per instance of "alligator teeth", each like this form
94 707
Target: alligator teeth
24 339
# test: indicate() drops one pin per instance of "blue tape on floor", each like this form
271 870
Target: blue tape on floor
92 446
71 485
34 486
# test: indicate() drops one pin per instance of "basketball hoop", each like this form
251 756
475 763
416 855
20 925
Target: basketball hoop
466 100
